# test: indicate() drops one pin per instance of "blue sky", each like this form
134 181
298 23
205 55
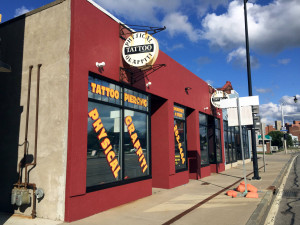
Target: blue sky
208 38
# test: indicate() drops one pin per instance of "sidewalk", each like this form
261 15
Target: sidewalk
198 202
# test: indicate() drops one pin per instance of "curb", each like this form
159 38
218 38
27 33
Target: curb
259 215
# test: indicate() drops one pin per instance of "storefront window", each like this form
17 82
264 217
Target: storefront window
135 145
218 141
103 166
225 126
234 153
230 156
180 138
203 139
245 142
112 157
238 143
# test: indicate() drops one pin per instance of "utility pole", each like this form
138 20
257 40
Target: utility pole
253 137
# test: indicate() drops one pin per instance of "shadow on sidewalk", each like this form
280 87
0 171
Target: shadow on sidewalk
4 217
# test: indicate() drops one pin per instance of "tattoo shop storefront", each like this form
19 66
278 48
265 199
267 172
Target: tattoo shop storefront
143 131
147 120
134 121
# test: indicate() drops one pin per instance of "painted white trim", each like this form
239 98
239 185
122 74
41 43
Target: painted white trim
108 14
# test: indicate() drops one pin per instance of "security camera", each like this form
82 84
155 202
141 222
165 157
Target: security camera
99 65
148 84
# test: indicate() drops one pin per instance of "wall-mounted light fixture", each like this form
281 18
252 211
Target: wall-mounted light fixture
218 113
148 84
187 89
100 65
206 108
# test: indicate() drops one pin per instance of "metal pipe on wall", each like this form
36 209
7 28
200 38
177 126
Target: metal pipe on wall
26 126
26 184
36 125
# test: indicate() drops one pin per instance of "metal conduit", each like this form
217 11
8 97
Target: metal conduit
26 184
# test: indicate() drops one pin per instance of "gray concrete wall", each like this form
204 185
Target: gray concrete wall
46 42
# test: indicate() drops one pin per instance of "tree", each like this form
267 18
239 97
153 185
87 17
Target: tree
277 137
289 141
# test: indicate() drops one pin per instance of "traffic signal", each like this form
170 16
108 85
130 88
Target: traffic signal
285 136
256 122
255 109
256 118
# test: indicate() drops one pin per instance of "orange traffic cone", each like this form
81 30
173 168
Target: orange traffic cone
232 193
250 187
252 195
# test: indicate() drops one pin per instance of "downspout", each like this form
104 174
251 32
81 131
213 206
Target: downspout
33 185
26 126
26 184
36 126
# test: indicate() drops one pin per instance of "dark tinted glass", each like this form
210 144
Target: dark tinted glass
136 151
103 150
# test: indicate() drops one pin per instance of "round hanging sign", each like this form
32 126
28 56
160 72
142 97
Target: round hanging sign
140 50
217 96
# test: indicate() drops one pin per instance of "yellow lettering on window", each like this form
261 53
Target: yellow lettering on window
94 114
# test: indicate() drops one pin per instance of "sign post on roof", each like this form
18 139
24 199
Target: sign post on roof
140 50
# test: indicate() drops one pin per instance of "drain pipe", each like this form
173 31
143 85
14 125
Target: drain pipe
36 192
36 126
33 185
26 126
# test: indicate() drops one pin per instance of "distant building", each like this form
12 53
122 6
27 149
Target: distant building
269 128
227 87
294 128
278 124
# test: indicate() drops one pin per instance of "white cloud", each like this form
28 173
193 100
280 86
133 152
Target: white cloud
203 60
270 112
238 58
175 47
178 23
209 82
272 27
284 61
160 13
21 11
139 10
263 90
204 5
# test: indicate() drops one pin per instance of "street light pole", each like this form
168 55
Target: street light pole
253 137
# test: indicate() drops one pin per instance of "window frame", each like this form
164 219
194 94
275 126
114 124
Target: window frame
122 108
226 141
185 137
206 126
218 128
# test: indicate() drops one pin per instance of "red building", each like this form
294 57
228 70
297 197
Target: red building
269 128
106 135
294 128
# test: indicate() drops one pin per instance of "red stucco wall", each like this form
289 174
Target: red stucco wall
95 38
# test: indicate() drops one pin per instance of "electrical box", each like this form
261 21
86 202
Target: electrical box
20 196
13 196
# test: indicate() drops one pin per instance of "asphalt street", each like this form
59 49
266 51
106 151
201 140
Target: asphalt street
289 208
